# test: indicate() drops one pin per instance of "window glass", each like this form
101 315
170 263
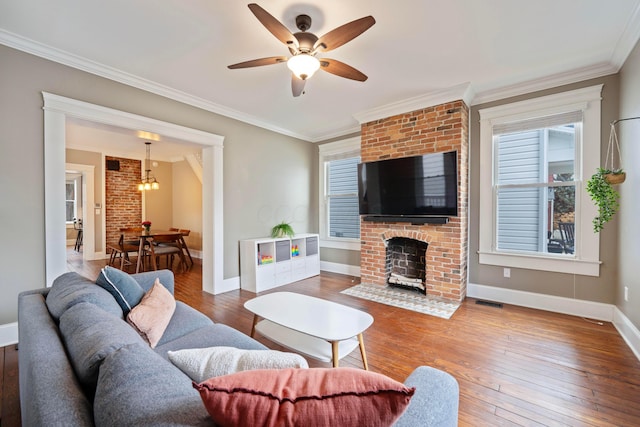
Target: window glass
535 190
70 201
342 198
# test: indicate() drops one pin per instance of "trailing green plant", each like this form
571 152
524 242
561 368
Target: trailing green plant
281 230
604 196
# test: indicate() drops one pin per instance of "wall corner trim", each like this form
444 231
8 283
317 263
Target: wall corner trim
629 332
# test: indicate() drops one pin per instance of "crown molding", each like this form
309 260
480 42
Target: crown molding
462 91
65 58
548 82
628 40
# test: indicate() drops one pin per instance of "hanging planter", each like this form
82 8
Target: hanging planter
600 185
614 175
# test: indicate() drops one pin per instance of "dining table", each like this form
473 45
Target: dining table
146 237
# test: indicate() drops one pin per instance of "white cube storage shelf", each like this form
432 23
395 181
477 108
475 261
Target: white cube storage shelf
266 263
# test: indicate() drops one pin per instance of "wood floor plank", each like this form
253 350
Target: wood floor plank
11 394
514 365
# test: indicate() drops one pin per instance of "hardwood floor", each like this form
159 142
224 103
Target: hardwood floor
515 366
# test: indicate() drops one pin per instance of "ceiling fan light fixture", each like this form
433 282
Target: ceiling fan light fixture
303 65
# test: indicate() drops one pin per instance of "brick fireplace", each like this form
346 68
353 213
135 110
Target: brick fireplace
443 247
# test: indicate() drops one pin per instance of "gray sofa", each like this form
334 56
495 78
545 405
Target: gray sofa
81 364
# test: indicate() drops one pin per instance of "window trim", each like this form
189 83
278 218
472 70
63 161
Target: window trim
338 149
586 260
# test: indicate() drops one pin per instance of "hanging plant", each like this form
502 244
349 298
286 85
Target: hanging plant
283 229
604 196
600 185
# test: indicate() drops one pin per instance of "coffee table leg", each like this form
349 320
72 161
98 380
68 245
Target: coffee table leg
334 351
362 352
253 326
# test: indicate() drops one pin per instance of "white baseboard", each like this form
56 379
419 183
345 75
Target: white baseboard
575 307
629 332
334 267
8 334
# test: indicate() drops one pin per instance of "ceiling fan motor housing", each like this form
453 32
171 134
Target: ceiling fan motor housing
303 22
306 41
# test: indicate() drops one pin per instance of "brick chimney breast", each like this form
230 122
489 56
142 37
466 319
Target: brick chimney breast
440 128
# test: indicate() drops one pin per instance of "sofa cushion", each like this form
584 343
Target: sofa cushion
310 397
152 315
90 334
208 336
124 288
136 387
203 363
185 320
71 288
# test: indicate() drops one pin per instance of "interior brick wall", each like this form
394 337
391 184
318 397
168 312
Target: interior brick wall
123 200
435 129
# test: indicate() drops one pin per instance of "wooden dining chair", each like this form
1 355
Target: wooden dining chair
184 233
168 245
121 251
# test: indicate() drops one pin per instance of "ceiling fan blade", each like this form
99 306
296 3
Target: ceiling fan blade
343 34
259 62
341 69
297 85
274 26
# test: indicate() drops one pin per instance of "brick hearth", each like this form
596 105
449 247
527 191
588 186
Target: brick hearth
435 129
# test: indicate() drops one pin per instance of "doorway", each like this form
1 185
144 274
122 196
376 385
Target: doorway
56 111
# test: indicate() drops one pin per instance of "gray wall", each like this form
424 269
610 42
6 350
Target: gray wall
629 232
599 289
267 176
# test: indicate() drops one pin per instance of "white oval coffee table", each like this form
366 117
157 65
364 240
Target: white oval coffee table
308 324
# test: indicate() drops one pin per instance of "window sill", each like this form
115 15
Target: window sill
348 244
541 262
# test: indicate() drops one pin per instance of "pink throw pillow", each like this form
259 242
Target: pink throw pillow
152 315
311 397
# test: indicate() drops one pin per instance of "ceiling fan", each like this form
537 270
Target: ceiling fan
304 47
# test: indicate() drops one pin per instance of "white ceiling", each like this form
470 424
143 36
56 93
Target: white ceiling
418 51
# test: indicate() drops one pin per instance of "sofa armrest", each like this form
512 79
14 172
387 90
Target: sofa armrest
50 393
435 402
147 278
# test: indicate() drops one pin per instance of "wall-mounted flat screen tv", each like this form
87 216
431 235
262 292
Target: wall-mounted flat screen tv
415 186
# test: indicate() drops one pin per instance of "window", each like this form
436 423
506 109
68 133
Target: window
339 217
534 211
72 197
342 198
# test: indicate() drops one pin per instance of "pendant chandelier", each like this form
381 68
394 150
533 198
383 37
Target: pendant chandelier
149 182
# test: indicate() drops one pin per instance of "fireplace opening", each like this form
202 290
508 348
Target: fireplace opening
406 264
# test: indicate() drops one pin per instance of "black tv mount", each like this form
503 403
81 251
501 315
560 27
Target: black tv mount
414 220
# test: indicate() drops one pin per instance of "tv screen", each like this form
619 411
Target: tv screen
411 186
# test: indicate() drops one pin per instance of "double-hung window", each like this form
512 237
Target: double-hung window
339 217
534 211
72 198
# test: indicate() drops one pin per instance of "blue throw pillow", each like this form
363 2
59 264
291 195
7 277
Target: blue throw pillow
123 287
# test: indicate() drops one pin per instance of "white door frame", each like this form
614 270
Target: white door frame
57 109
